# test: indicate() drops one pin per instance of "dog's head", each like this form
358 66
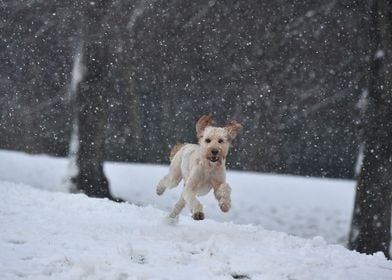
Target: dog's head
215 141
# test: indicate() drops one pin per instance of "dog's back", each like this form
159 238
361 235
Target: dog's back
175 150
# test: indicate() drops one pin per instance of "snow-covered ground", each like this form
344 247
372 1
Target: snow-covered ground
56 235
304 207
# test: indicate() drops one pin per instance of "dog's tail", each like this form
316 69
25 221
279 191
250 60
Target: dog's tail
175 150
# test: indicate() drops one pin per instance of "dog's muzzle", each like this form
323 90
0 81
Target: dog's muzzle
214 155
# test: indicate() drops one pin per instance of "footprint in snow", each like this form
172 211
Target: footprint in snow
139 258
17 241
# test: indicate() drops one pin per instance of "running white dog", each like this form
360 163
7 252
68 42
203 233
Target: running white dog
202 167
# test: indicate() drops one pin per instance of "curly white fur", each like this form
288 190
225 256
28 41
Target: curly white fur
202 167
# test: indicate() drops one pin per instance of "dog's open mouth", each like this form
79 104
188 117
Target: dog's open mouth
214 159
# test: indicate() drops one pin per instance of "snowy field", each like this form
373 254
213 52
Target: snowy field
280 227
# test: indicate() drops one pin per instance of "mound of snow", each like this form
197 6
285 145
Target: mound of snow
305 207
49 235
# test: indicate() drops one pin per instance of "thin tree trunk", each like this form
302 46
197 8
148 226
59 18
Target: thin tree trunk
92 100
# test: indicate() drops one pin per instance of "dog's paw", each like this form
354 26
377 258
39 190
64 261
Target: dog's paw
198 216
171 221
160 190
225 205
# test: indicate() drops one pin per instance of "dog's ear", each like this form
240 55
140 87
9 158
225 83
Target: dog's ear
202 123
232 129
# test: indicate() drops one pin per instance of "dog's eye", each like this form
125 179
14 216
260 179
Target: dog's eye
220 141
208 140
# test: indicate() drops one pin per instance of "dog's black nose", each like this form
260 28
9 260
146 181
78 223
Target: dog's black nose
214 152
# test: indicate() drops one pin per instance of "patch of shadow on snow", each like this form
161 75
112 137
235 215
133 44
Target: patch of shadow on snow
139 258
239 276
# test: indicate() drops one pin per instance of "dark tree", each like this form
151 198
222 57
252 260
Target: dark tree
93 98
371 222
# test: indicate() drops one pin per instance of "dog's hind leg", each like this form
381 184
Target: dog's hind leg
177 208
172 179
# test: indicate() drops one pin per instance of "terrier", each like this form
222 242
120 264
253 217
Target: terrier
202 166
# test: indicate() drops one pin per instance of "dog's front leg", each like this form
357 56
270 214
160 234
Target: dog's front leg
222 194
193 203
189 194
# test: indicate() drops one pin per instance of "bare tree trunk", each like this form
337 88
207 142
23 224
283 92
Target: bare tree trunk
93 99
371 222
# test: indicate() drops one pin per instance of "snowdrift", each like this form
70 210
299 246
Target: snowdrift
48 233
305 207
51 235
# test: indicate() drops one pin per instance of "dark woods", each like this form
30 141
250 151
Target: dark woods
291 73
